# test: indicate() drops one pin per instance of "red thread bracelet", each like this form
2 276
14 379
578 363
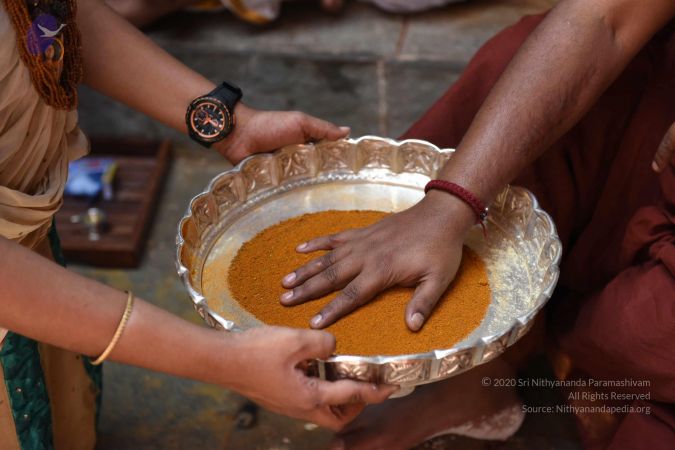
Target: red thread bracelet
463 194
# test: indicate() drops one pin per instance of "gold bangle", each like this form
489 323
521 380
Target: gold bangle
118 332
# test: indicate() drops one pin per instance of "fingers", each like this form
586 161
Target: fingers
339 402
317 129
362 289
331 279
330 418
303 273
665 151
315 344
350 392
426 295
329 242
347 412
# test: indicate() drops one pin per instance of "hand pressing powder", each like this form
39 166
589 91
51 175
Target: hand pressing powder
378 327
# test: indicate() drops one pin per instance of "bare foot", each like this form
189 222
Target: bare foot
430 410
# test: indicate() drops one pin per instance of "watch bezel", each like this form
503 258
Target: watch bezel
228 115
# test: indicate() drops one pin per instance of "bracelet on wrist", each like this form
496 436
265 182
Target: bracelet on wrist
118 333
478 207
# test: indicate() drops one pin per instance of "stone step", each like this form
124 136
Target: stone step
373 71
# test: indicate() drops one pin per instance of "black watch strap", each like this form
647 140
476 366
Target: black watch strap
227 93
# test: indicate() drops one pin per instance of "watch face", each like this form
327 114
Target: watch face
210 120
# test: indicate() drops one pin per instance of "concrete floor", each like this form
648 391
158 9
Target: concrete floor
356 69
373 71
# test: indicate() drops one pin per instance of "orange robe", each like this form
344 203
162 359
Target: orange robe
612 316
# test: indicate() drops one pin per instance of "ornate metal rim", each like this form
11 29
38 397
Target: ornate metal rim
407 370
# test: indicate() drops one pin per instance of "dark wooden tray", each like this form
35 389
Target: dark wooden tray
141 171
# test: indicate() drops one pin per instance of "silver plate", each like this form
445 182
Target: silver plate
522 250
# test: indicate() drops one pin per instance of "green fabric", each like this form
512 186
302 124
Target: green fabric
25 382
27 392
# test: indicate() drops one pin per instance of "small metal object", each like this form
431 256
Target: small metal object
95 219
521 252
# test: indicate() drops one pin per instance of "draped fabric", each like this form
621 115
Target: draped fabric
36 144
48 396
612 314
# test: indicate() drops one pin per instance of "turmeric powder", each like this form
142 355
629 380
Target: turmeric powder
377 328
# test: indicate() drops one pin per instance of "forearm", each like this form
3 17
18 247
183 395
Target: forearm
124 64
554 79
48 303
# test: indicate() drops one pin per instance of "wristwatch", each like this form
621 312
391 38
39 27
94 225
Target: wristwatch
210 118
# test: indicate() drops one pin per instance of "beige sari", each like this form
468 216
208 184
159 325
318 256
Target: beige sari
36 144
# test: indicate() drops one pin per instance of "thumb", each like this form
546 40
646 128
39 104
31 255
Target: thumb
316 344
317 129
423 302
665 151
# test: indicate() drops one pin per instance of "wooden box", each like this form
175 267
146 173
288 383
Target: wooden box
141 171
